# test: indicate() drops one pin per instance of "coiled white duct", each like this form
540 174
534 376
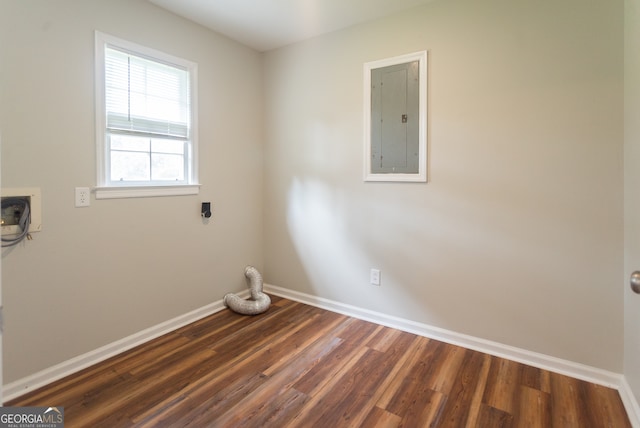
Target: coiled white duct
257 303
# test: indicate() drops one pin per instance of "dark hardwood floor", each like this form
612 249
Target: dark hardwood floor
300 366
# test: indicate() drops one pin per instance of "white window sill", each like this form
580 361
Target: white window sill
145 191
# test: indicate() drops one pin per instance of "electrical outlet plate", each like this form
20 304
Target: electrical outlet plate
374 277
83 197
35 198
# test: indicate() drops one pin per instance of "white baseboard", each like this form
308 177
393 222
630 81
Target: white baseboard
546 362
630 402
51 374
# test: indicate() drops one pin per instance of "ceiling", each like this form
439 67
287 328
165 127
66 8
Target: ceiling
270 24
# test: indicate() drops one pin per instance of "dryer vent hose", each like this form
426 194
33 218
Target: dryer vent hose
257 303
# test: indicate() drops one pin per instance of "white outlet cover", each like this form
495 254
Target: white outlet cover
83 197
374 277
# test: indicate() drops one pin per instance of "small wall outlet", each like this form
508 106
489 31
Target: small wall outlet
83 197
374 277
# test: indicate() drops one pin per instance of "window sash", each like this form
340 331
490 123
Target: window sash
148 155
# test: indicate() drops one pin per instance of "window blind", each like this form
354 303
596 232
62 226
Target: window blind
145 97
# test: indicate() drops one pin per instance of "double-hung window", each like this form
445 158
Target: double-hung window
145 124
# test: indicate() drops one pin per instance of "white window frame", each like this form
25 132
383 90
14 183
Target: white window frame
106 190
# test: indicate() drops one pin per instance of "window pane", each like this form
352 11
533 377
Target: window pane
136 158
167 146
130 166
167 167
129 143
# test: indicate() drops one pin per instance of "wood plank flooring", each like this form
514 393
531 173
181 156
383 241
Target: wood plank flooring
300 366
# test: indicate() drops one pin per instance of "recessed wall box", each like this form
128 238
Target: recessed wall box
206 209
10 213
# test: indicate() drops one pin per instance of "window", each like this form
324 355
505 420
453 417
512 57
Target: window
145 124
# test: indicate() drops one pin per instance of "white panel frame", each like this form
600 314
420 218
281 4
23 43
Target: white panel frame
421 176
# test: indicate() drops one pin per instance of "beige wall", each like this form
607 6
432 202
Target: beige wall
517 237
632 191
95 275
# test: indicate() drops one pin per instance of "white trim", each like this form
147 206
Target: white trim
51 374
100 41
99 95
630 403
421 176
146 191
546 362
